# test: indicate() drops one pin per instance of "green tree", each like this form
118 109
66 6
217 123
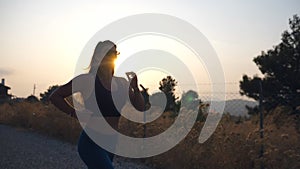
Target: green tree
280 67
167 86
191 100
32 99
45 96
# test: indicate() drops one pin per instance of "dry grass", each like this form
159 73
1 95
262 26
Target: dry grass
39 117
233 145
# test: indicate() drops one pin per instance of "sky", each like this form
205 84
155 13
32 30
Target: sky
41 41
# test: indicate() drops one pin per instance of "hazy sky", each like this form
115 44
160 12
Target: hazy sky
42 40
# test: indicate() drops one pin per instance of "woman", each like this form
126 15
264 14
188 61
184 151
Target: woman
104 83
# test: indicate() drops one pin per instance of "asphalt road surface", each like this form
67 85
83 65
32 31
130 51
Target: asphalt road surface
23 149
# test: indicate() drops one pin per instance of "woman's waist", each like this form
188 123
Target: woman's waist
98 123
104 111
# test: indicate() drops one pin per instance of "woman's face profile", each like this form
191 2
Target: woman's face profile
110 57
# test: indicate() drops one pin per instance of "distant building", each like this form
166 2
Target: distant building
4 96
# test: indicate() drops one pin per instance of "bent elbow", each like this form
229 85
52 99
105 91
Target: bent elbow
141 106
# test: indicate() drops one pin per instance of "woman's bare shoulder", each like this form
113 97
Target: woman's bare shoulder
85 77
83 82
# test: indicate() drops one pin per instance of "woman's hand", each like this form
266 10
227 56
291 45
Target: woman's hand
132 80
134 83
135 95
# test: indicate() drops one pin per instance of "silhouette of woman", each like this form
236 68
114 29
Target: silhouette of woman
105 83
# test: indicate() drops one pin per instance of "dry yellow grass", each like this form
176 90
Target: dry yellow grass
39 117
233 145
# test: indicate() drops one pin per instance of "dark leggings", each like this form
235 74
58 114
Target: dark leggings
92 155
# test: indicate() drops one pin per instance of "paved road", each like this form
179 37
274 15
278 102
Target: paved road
22 149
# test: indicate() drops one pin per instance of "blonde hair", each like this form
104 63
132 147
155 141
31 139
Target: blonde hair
102 49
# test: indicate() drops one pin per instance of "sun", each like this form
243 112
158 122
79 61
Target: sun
116 63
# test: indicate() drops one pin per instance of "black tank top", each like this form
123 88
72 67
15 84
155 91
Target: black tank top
104 100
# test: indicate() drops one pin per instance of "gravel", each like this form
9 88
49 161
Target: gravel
23 149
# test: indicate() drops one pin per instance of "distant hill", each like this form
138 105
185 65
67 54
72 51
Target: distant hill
237 107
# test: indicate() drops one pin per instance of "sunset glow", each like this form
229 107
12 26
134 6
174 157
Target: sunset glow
41 41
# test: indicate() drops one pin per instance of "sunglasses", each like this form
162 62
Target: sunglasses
115 52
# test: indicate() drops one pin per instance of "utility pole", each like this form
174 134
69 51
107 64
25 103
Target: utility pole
34 87
261 124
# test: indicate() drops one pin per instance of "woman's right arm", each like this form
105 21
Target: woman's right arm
58 98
